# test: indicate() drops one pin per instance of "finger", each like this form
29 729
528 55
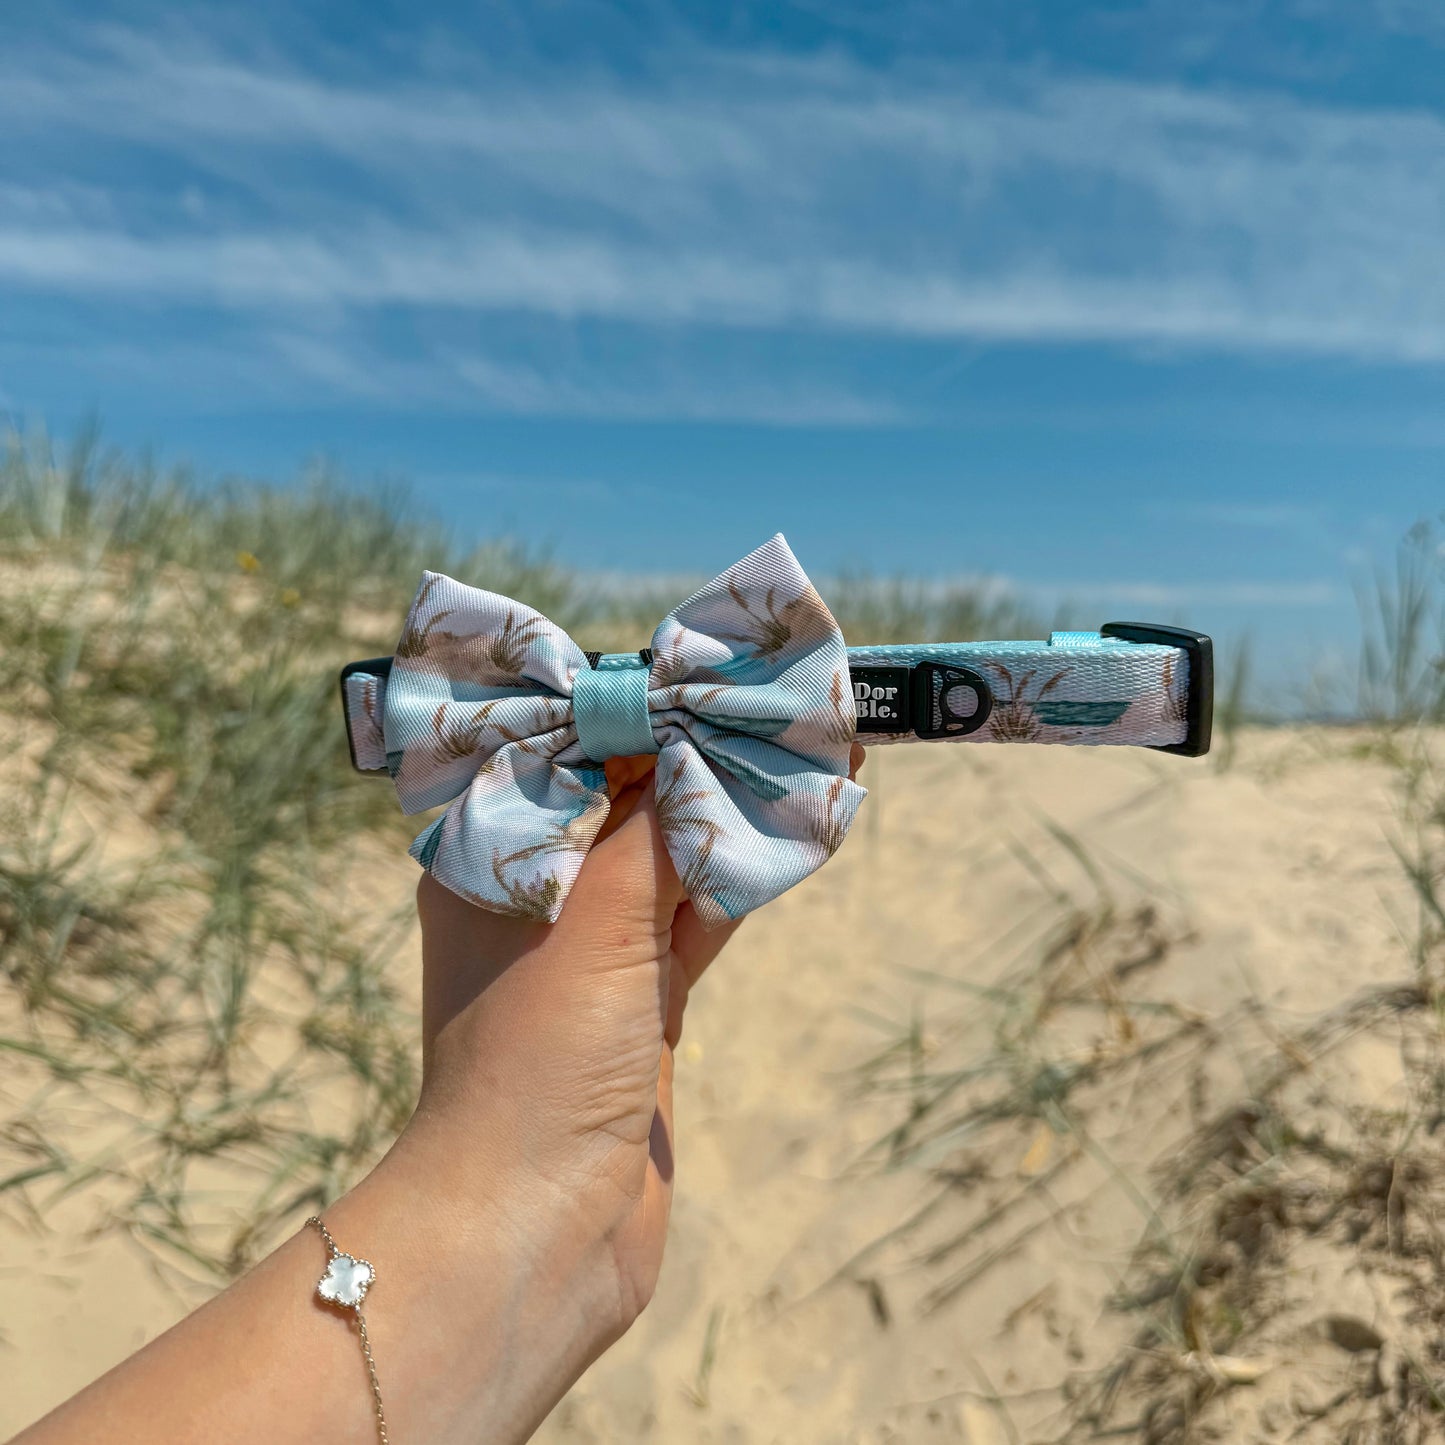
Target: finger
629 875
623 772
693 949
661 1148
627 778
695 946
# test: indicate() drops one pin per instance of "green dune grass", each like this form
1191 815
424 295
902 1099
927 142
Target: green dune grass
170 653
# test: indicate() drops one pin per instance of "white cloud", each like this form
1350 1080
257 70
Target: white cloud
524 389
1294 518
457 380
288 367
768 194
508 270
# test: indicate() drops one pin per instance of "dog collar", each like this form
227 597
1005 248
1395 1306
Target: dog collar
1128 684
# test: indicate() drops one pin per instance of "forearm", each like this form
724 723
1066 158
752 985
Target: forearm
516 1228
486 1306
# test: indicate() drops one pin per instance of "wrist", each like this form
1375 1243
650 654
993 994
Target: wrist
490 1299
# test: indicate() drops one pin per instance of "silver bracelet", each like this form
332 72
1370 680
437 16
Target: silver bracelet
344 1285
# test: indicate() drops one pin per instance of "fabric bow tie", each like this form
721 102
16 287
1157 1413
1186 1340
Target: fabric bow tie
746 701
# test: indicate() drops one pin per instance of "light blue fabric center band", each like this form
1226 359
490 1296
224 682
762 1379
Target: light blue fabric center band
611 712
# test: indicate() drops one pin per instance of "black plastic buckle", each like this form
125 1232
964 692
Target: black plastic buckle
1199 704
373 667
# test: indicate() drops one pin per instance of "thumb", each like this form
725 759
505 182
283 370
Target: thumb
628 879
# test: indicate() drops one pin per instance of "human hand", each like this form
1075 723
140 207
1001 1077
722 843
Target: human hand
516 1226
549 1048
548 1066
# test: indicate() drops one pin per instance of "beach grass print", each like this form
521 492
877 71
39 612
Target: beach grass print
774 640
456 741
682 815
1014 718
415 640
536 897
831 827
802 621
1174 700
506 650
842 727
767 633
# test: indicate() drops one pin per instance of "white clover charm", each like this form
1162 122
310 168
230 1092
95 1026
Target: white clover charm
346 1281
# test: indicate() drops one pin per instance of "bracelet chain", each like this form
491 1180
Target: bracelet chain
334 1250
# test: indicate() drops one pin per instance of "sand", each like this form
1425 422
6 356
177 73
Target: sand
1122 947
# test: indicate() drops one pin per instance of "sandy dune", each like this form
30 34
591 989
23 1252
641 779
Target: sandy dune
1124 947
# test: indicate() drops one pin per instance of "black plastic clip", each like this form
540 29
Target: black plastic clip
372 667
1199 703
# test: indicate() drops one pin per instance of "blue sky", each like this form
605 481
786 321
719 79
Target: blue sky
1139 305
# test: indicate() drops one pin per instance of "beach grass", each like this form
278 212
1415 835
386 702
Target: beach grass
206 1030
180 833
1001 1091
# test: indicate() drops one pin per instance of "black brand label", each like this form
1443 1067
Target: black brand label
880 699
